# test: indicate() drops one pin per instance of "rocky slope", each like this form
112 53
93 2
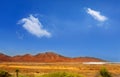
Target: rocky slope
45 57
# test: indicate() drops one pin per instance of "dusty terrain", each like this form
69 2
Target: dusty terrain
33 69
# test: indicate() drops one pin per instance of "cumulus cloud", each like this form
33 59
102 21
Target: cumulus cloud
34 26
96 15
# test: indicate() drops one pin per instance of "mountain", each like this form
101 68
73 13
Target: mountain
23 58
46 57
4 57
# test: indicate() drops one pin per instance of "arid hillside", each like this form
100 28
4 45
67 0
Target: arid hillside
46 57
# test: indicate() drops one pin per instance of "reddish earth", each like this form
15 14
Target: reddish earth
46 57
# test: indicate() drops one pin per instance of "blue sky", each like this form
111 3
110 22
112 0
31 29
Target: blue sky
68 27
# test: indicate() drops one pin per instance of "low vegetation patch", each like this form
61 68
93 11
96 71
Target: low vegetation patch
4 74
61 74
104 73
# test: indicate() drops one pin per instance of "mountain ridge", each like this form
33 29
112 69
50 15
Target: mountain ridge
46 57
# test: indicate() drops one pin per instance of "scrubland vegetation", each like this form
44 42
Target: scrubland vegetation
103 73
62 74
58 70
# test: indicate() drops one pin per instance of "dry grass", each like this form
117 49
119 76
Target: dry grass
33 69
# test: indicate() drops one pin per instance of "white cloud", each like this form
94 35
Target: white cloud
96 15
34 26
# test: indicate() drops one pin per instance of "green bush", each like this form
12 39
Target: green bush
4 74
61 74
104 73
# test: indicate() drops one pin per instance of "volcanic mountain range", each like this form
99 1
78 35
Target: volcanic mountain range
45 57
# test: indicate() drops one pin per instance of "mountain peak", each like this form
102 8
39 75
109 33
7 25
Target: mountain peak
47 57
